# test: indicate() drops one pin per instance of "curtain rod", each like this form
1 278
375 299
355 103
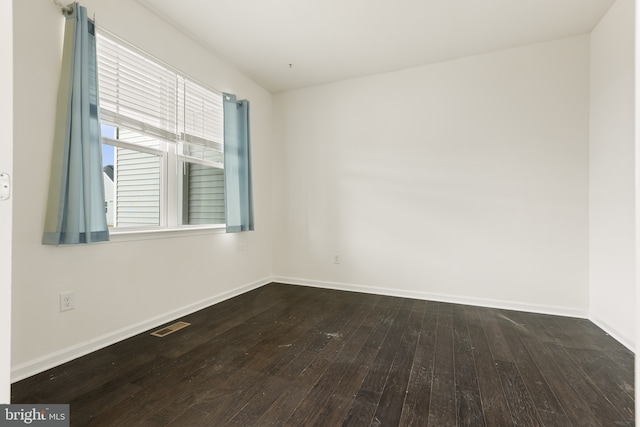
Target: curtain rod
66 10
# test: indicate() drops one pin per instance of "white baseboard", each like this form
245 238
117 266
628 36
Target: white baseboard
35 366
455 299
612 331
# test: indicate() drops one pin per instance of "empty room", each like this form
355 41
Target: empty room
327 212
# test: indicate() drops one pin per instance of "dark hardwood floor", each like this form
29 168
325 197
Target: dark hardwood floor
288 355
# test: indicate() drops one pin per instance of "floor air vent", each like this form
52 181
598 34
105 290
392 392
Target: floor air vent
170 329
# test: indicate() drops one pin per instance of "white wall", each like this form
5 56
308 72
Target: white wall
612 174
6 166
461 181
123 286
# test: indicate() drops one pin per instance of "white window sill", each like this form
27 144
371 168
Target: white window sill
133 234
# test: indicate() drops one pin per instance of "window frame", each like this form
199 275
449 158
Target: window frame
170 199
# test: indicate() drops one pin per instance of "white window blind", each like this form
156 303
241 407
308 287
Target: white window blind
139 93
199 114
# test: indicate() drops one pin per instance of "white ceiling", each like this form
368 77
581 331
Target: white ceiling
330 40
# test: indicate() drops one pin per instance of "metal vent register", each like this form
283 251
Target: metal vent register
170 329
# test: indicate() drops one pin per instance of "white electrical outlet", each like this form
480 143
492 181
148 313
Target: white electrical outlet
67 301
336 259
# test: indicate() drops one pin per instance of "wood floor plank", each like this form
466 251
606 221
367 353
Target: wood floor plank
306 412
468 401
535 382
349 332
251 412
276 349
577 411
497 344
326 386
66 381
86 408
523 409
442 405
360 412
465 370
231 396
469 407
121 389
558 331
192 418
389 408
601 408
293 355
607 376
494 402
365 403
288 401
550 419
415 408
590 336
336 409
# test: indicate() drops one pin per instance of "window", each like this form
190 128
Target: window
162 139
